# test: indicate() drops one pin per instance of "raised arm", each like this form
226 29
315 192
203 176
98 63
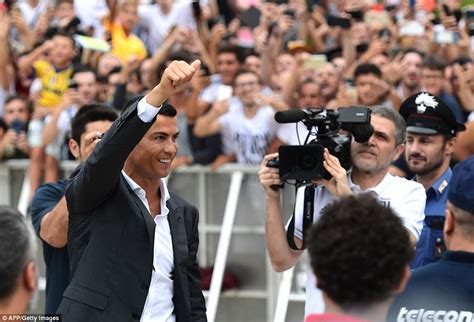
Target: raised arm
101 172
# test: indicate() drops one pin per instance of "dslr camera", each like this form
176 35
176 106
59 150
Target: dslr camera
305 162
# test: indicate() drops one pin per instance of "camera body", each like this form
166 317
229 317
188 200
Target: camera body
305 162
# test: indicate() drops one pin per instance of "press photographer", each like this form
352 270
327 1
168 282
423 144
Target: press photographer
369 174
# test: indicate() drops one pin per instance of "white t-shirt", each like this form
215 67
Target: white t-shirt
250 138
91 13
30 14
157 25
407 198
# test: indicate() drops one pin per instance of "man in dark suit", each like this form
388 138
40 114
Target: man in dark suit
132 244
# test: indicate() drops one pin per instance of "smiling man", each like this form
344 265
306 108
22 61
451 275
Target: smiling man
371 161
132 243
431 136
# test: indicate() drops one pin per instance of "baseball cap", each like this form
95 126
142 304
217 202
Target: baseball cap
425 113
461 187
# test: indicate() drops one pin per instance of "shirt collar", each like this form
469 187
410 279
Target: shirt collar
165 196
441 184
377 189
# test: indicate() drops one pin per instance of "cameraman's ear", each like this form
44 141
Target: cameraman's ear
74 148
399 149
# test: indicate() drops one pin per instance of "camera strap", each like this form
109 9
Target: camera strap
307 218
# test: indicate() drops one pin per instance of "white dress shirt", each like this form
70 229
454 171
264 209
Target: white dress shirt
159 302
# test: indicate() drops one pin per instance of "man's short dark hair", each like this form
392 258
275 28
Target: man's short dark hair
87 114
231 50
16 249
359 251
366 69
434 62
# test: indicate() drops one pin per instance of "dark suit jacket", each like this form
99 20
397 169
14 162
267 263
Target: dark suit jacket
111 235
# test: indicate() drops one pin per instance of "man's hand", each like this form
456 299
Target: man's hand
338 185
90 141
175 78
269 176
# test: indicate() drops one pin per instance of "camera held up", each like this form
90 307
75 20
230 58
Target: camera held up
305 162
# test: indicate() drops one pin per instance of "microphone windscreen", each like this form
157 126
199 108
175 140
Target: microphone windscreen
290 116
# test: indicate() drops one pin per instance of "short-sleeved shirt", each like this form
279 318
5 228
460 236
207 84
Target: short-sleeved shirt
54 82
56 259
441 291
407 198
250 137
436 197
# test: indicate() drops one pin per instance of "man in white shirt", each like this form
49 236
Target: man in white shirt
371 161
132 243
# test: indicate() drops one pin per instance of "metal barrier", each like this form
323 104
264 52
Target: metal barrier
231 203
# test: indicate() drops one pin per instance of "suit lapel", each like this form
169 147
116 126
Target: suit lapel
178 233
149 222
179 239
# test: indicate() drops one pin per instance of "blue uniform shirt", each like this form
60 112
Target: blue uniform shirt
431 238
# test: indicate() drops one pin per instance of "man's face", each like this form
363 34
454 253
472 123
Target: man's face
254 63
88 138
152 157
379 151
432 80
16 110
365 90
246 88
411 76
284 62
227 66
309 95
328 79
426 153
86 87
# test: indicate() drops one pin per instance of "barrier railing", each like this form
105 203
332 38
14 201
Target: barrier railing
231 203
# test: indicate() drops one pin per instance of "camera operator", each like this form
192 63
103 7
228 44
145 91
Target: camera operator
371 161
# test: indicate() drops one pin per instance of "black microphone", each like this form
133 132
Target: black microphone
290 116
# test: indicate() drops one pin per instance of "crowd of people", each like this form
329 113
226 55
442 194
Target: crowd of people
221 70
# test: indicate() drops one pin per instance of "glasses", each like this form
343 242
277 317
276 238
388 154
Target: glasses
244 84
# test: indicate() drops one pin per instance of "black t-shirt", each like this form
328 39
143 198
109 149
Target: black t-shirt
56 259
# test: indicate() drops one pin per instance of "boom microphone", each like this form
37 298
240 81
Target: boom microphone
290 116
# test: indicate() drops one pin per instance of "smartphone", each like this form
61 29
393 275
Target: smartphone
446 37
72 84
315 62
334 21
356 15
17 125
290 13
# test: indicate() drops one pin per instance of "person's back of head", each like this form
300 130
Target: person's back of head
360 253
459 225
17 268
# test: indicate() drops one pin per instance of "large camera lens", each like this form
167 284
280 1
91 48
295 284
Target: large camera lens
308 162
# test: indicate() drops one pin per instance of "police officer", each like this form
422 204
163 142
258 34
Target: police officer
431 135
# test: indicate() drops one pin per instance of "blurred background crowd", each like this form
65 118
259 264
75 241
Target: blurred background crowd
258 56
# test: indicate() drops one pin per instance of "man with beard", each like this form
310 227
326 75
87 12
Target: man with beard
371 161
431 136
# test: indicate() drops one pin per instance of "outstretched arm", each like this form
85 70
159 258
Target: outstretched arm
101 172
